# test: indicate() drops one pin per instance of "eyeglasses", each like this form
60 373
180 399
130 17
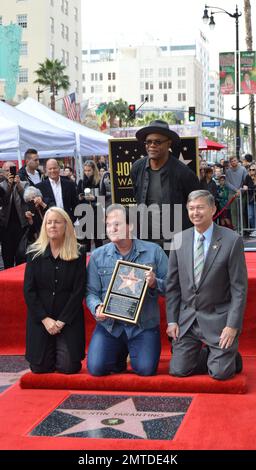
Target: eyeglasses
157 143
252 169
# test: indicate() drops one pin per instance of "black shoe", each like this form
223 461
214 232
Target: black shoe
239 363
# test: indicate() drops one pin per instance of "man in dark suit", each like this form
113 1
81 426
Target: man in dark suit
58 191
206 294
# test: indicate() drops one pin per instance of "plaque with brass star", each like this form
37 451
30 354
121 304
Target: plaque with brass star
126 291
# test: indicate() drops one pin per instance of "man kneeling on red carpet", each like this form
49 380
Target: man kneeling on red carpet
206 295
112 339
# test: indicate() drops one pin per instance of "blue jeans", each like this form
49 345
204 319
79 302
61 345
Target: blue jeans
108 354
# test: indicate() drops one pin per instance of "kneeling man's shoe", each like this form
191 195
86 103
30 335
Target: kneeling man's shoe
239 363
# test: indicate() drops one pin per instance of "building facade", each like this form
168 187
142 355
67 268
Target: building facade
171 77
50 29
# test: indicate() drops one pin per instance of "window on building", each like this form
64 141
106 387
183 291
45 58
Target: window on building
23 75
22 20
170 85
151 86
146 86
52 3
109 76
109 88
67 58
165 97
151 98
83 76
101 76
141 73
92 89
212 110
76 38
67 33
181 84
84 89
51 24
76 62
24 48
62 30
181 71
92 77
96 77
160 85
212 101
66 7
142 98
62 5
165 85
169 72
52 51
113 76
75 13
76 86
212 93
114 88
181 96
63 56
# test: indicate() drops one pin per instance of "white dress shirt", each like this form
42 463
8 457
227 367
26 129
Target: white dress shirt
57 191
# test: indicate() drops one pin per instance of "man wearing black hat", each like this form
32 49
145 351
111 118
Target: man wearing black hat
162 179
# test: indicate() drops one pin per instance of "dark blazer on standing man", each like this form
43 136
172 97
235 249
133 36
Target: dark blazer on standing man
69 195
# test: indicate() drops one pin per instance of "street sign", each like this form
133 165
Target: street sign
210 123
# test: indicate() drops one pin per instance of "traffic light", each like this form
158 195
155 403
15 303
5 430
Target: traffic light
192 113
246 131
132 111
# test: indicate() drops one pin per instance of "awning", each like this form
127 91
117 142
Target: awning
211 145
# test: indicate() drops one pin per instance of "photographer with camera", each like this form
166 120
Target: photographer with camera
13 222
36 209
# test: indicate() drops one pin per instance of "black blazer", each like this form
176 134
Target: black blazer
54 288
68 195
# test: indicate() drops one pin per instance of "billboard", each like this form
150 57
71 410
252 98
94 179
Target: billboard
227 72
247 72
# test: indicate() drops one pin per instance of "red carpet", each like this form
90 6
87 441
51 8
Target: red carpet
12 341
162 382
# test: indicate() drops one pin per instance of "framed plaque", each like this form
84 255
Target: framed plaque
126 291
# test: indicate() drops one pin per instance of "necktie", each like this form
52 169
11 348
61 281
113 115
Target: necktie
199 259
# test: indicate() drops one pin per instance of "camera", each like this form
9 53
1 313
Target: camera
31 206
13 170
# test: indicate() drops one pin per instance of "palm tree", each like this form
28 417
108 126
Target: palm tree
51 74
118 108
249 45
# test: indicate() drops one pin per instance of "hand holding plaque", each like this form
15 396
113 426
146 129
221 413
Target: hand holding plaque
126 291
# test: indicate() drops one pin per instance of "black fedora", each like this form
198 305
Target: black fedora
158 127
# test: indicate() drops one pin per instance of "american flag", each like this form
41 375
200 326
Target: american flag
70 106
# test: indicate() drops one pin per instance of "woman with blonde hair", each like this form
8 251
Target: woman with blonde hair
88 192
54 288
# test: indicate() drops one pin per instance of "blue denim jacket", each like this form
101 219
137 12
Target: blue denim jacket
101 267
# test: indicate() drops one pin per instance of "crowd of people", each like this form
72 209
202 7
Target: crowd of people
233 186
204 280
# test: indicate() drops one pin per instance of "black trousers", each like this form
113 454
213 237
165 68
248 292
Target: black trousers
57 358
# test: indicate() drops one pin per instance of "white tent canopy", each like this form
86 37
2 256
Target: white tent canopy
89 141
20 131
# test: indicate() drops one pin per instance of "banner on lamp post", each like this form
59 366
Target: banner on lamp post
248 72
227 73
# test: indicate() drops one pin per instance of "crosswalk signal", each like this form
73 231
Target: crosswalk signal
132 111
192 113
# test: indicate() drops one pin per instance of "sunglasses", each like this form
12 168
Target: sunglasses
157 143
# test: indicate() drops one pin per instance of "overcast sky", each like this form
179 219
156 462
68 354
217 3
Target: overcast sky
126 21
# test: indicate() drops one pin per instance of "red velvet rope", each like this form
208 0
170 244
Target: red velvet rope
225 207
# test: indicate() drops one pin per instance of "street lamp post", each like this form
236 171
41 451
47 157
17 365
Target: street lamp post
236 108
